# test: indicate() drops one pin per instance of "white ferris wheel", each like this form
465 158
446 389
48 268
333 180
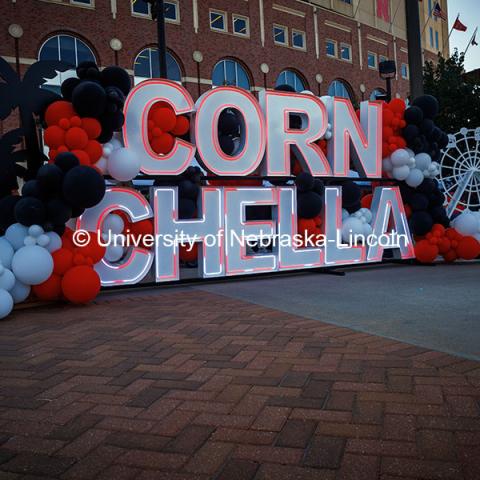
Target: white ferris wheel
460 171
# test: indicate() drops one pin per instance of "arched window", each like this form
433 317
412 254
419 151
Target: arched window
69 49
340 88
147 65
292 78
230 72
377 93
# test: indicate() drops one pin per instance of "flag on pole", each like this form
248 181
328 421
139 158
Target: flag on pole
438 12
474 38
458 25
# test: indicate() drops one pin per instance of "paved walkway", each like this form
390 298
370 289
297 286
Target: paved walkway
187 384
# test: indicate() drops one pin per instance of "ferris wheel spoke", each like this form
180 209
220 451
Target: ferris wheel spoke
457 196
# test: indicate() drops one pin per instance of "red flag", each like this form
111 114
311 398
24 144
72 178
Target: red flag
383 10
458 25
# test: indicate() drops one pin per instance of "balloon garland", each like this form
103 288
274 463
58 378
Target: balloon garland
82 132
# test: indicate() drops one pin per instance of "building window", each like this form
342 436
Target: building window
431 37
404 70
69 49
346 52
378 94
298 40
436 41
331 48
339 88
141 7
280 35
372 60
241 25
230 72
87 3
382 58
291 78
171 10
147 66
218 21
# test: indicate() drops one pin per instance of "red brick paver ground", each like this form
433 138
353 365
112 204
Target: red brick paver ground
191 385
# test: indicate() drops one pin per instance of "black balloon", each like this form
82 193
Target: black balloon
428 104
116 77
89 99
418 201
83 187
88 70
32 189
228 123
421 223
351 193
354 207
66 161
30 211
410 132
77 211
304 182
188 189
427 186
319 187
49 178
186 208
68 86
309 204
427 126
58 211
414 115
106 135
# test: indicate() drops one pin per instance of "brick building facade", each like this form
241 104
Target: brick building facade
316 42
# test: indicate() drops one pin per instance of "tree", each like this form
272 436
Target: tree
27 95
459 96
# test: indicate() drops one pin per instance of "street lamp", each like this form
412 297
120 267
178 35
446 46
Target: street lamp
158 13
388 70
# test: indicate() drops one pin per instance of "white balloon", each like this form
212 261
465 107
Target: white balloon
367 229
114 223
43 241
107 150
19 292
466 223
6 252
401 173
29 240
16 234
328 135
102 165
345 214
116 142
6 303
7 279
32 265
55 242
35 231
423 161
400 157
387 164
123 165
351 226
410 152
114 253
415 178
366 213
411 162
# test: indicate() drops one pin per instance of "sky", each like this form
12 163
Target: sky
470 16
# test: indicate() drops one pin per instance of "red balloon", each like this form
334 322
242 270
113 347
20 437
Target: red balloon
163 144
54 136
92 249
67 239
366 200
388 117
181 127
64 123
444 245
139 229
50 289
450 256
468 248
187 255
76 138
164 118
52 155
397 105
425 251
82 156
94 150
81 284
76 121
92 127
62 260
58 110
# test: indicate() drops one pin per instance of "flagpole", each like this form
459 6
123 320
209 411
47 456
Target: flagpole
445 43
394 16
470 42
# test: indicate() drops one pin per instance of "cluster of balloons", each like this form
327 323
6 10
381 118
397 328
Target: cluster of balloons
25 262
310 193
393 124
468 223
356 223
164 126
119 162
119 222
421 133
100 95
449 243
404 164
67 132
73 277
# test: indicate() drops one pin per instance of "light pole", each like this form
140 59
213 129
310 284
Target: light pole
414 41
387 71
158 13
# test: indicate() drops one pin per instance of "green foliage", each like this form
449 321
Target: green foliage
459 96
